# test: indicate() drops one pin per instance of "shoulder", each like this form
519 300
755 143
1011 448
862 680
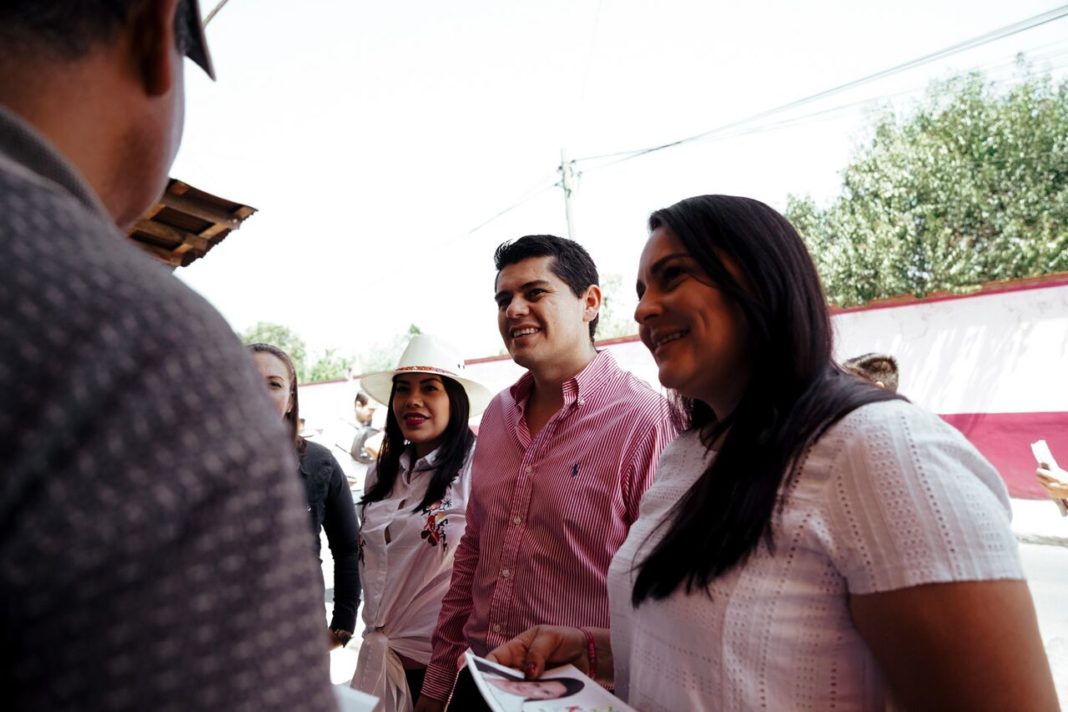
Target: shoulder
620 390
315 451
893 429
898 450
904 499
684 454
370 477
317 456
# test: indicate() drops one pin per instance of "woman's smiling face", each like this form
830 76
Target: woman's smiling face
421 406
695 333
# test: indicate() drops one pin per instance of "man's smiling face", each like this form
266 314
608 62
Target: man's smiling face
541 320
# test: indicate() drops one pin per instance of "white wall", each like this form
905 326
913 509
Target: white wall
1002 352
1005 352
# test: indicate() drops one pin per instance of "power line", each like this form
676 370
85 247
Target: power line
535 191
214 11
738 127
830 112
998 34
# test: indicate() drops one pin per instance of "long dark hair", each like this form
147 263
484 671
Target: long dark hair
458 441
794 394
293 416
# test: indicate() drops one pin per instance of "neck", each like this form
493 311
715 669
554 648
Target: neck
549 380
78 107
424 449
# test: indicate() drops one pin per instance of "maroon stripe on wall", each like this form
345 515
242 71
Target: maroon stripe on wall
1005 439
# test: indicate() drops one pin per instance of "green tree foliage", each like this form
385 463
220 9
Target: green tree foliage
384 355
330 367
284 338
971 187
327 367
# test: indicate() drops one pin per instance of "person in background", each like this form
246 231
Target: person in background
154 550
565 456
329 501
414 513
811 541
1055 481
880 369
364 412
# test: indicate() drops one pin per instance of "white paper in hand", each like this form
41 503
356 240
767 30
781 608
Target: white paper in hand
562 689
1043 456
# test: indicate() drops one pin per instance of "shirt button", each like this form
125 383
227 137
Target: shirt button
581 401
517 520
530 469
496 627
505 573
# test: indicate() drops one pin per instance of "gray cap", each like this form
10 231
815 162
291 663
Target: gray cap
198 43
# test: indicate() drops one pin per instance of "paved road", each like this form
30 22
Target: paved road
1047 572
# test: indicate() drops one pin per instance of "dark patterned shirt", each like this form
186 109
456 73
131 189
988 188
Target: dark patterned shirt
153 541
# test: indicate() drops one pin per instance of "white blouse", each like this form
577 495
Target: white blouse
405 578
890 497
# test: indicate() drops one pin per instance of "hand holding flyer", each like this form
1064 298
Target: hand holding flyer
562 689
1046 474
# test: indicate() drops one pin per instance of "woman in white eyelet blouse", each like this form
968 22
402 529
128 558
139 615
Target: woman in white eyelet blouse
811 542
413 515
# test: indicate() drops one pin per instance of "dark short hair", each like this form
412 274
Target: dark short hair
880 369
571 263
69 29
361 399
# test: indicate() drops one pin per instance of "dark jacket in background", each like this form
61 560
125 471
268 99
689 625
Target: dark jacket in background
331 510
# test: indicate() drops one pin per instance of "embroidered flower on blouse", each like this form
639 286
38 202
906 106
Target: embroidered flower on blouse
434 529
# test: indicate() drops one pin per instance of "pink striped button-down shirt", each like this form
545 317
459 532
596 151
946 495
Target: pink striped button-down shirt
547 513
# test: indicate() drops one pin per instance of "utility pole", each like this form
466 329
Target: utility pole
569 182
214 11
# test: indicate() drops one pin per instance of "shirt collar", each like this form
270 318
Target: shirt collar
577 388
424 463
24 146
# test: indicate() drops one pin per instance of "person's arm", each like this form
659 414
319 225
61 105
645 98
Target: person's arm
917 523
342 533
545 646
644 455
970 645
1055 481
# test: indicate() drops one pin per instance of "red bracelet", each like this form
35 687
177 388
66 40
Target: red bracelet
591 652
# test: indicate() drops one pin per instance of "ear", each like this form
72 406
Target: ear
591 302
154 44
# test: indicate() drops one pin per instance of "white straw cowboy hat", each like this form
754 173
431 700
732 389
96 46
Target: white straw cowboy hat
428 354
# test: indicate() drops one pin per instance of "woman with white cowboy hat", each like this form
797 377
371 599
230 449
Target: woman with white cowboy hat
413 514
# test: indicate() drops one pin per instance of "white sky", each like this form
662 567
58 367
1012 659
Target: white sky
373 136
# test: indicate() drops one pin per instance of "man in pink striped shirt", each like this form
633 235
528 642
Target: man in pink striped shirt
562 461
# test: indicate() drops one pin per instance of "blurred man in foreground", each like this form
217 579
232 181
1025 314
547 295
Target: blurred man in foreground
153 549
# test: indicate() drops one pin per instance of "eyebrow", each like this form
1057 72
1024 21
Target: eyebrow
528 285
429 379
658 266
